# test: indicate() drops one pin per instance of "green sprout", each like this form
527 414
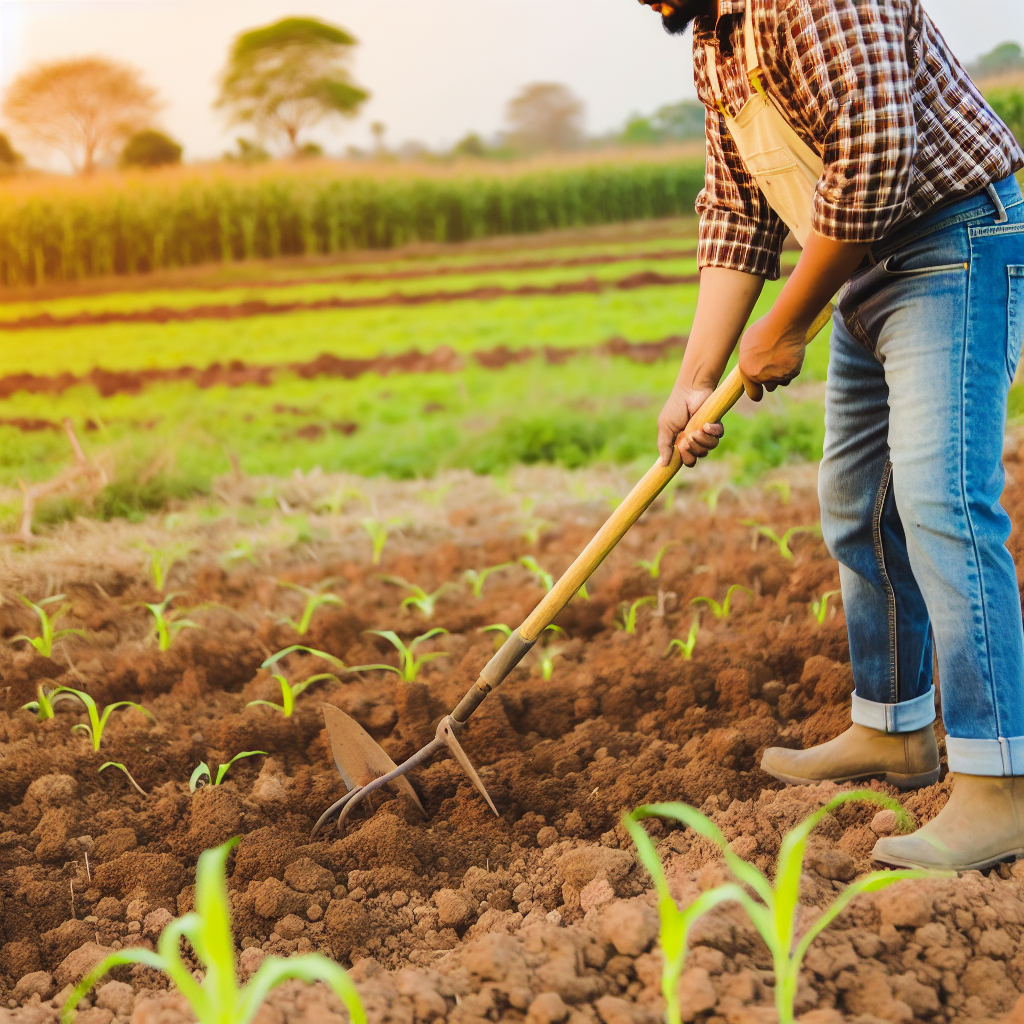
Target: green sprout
819 607
782 487
160 561
654 565
501 629
167 625
545 579
243 551
476 578
315 597
289 692
97 721
424 603
378 534
335 501
547 662
712 496
628 613
117 764
676 484
47 699
721 611
774 912
48 635
409 664
782 543
203 769
686 646
218 999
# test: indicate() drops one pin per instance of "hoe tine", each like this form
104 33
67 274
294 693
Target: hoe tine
445 729
360 759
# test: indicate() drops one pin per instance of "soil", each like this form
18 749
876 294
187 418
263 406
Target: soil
540 914
260 307
240 374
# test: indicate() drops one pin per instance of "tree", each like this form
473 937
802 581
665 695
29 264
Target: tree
150 148
9 156
672 123
285 77
83 107
1004 59
545 116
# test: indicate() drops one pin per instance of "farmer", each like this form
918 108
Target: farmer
850 123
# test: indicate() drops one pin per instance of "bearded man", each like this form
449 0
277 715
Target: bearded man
851 124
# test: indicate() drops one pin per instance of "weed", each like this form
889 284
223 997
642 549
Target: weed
204 769
782 543
168 625
476 578
721 611
686 646
315 598
654 565
774 912
409 664
378 534
289 692
545 579
424 603
97 721
117 764
47 699
628 613
217 999
160 561
48 635
819 607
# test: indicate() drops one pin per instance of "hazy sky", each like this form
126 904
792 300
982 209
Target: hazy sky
436 68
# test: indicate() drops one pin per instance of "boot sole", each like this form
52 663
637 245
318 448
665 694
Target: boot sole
901 782
982 865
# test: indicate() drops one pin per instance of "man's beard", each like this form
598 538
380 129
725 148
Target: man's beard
679 20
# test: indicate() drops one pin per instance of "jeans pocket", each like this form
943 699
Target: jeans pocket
889 266
1014 317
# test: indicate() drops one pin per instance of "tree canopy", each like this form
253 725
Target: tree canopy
83 107
285 77
150 148
545 116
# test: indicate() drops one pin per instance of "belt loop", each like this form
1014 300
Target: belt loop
1001 217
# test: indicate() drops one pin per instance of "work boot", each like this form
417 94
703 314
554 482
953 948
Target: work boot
906 760
980 826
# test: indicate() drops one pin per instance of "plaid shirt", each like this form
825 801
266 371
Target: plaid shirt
875 90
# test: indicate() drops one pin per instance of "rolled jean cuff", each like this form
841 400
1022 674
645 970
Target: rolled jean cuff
1004 756
907 716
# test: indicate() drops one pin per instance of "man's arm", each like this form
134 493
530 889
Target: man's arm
724 303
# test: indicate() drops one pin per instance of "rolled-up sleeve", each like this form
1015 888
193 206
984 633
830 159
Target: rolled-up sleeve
738 229
848 62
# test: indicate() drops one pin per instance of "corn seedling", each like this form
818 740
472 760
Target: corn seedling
218 999
782 488
476 578
243 551
721 611
47 698
316 597
547 662
685 647
290 691
409 664
670 492
335 501
378 534
128 774
424 603
167 625
48 636
653 566
773 910
782 543
711 497
98 721
160 562
503 633
628 613
203 770
819 607
545 579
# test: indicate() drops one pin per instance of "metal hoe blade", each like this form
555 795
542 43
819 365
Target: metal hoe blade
366 767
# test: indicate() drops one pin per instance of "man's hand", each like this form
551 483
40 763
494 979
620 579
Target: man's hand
770 357
681 405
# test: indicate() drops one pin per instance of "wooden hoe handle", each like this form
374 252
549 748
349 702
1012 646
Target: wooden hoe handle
724 397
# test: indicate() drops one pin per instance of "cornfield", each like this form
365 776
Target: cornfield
136 225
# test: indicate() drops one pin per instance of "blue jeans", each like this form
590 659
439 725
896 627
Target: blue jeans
924 349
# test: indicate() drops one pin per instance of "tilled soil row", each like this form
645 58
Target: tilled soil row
541 914
240 374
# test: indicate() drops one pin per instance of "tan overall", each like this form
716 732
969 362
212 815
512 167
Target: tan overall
785 168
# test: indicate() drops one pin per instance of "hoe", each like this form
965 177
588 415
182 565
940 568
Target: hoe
364 764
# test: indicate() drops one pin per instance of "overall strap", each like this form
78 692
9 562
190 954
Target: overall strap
751 59
716 89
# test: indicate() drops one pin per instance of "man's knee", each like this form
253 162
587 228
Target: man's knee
844 516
